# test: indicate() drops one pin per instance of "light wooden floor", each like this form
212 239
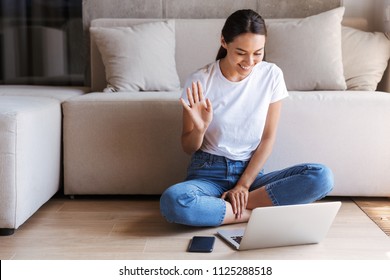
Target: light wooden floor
378 209
132 228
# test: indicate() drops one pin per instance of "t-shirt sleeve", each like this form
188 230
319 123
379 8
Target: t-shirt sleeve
279 86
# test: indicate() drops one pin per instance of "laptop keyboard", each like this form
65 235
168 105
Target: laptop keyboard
237 238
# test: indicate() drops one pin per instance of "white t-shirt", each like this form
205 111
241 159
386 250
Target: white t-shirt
240 108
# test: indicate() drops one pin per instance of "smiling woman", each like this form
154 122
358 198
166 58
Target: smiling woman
242 55
231 110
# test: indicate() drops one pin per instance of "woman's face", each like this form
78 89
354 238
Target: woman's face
243 53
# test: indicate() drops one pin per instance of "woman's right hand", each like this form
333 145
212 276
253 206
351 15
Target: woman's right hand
199 109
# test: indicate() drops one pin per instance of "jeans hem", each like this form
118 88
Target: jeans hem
223 213
271 195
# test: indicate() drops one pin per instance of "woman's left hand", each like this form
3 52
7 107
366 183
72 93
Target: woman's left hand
238 198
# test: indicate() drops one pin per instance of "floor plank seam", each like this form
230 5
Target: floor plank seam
383 223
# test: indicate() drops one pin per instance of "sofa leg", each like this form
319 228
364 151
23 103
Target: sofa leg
6 231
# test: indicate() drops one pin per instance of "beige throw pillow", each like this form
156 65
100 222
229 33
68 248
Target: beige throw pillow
365 57
308 51
140 57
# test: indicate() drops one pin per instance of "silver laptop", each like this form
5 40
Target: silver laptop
283 226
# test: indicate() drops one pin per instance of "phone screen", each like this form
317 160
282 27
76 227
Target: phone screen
202 244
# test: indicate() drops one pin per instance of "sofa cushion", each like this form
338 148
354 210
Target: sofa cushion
347 132
113 144
308 51
365 57
140 57
60 93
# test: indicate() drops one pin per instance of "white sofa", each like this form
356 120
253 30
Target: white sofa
30 149
128 142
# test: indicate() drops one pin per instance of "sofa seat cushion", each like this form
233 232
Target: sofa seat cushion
30 156
347 131
127 96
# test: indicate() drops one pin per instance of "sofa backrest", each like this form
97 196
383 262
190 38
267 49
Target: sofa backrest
197 43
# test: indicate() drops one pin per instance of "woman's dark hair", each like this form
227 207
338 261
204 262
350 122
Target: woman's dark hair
240 22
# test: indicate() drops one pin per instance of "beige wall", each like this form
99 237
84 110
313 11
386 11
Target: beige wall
201 8
369 9
372 10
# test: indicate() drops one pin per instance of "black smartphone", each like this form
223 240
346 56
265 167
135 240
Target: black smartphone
201 244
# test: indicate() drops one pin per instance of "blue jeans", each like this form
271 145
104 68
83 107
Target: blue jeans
197 201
